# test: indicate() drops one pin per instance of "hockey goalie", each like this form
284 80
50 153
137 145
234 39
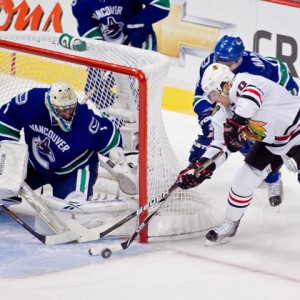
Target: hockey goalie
66 141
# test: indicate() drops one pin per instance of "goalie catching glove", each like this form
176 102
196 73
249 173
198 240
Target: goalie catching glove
233 133
189 177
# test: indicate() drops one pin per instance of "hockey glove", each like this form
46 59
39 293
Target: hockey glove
233 137
204 119
189 177
137 33
199 147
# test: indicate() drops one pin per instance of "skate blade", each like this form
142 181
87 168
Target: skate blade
276 207
223 241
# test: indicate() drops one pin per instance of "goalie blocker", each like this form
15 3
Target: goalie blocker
117 166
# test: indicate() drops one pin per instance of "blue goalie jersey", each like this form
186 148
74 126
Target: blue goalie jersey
52 150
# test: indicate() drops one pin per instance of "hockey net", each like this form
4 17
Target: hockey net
126 85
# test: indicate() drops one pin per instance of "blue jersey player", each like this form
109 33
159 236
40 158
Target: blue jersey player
231 52
127 22
63 138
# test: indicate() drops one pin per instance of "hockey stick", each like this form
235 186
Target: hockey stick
106 252
36 202
91 235
62 238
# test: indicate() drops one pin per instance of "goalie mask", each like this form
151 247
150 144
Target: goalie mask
214 76
61 102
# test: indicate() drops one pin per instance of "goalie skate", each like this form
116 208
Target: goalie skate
11 201
222 233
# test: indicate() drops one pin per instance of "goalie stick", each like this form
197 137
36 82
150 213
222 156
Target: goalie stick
12 183
61 238
37 203
106 252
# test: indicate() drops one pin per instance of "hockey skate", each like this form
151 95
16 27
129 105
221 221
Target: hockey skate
11 200
222 233
275 193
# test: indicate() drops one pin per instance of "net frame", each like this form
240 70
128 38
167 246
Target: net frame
173 207
142 105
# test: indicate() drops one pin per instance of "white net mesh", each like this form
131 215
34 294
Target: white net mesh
118 96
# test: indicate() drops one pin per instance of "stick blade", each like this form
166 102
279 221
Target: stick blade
82 231
62 238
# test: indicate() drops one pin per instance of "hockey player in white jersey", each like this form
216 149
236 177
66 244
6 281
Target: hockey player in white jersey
248 107
63 136
231 51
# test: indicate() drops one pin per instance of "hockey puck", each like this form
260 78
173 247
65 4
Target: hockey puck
106 253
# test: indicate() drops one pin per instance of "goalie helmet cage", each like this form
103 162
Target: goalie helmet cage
125 84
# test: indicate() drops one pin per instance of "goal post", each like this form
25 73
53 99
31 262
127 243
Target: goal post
126 85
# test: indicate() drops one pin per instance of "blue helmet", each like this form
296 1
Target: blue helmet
229 49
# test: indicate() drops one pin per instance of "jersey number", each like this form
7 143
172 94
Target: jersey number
241 87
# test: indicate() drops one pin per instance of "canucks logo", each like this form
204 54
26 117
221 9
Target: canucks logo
113 31
94 126
42 152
